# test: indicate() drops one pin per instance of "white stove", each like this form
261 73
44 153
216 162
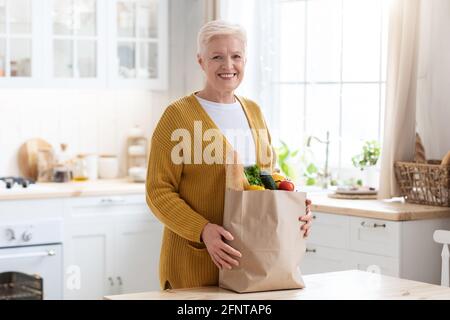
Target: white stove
34 248
12 182
12 186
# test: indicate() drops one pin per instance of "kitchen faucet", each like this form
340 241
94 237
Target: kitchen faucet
326 175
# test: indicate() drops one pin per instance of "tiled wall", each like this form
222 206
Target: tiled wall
88 121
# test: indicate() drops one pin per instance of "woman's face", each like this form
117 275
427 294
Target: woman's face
223 61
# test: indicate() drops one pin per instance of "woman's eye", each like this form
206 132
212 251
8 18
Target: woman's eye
237 57
217 57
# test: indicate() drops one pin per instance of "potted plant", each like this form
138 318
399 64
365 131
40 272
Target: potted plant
298 167
366 161
286 159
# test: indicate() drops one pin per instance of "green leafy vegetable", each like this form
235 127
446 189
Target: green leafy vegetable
253 175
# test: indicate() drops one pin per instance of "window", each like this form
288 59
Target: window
324 63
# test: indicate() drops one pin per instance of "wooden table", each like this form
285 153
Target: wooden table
342 285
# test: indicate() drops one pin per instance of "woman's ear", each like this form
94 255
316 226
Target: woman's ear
200 61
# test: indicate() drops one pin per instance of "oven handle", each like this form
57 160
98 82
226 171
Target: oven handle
48 253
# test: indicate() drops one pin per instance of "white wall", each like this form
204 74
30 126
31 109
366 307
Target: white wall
97 121
89 122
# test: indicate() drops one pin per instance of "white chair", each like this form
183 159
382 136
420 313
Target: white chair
443 236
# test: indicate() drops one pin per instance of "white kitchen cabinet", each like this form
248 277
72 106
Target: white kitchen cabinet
319 259
19 50
137 43
379 237
88 260
84 43
374 263
75 42
114 242
330 230
403 249
136 253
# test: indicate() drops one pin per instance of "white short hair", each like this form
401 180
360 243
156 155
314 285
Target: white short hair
219 28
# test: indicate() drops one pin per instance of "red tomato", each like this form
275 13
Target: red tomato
286 185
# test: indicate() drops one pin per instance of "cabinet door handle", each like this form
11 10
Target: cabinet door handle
111 200
119 280
311 250
111 281
373 225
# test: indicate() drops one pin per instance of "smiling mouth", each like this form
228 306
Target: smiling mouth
227 76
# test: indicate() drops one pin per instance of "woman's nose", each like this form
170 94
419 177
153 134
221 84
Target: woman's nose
228 63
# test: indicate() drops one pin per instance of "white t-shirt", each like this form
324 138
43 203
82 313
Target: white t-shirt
230 118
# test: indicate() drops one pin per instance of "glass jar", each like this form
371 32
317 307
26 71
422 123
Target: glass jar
80 168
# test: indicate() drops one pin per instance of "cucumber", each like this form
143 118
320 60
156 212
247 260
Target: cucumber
268 181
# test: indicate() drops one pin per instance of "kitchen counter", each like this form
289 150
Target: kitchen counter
393 209
390 209
73 189
343 285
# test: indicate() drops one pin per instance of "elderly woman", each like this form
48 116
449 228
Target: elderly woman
188 196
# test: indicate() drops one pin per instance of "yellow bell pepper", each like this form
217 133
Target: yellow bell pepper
254 187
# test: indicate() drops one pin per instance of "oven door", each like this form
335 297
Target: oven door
43 260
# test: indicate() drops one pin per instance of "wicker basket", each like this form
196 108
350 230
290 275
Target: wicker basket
424 183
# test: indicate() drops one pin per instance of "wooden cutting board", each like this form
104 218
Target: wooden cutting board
28 155
352 196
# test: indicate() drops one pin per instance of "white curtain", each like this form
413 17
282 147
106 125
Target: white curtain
433 94
212 10
258 17
401 90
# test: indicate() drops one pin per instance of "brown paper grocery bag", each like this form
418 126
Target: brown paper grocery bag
266 231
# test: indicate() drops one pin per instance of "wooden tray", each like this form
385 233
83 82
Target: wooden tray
353 196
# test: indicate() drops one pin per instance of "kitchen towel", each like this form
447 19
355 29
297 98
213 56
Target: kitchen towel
266 231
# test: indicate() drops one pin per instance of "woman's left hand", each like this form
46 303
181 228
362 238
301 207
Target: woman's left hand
307 218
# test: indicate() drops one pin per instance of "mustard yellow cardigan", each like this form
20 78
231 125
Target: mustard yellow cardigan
185 197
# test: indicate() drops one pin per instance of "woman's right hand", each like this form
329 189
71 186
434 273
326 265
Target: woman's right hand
220 252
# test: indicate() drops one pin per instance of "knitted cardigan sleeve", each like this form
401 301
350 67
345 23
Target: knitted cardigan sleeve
163 178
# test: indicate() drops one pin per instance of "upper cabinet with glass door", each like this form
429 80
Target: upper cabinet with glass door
17 42
76 41
84 43
139 42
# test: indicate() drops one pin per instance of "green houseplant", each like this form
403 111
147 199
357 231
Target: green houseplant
285 157
369 155
293 165
366 162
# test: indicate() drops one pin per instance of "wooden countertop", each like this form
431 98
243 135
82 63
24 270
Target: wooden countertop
73 189
393 209
342 285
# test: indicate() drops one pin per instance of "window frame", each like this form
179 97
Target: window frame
276 85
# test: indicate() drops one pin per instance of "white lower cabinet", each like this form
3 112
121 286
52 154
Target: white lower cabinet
319 259
375 236
372 263
402 249
111 247
136 252
88 260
